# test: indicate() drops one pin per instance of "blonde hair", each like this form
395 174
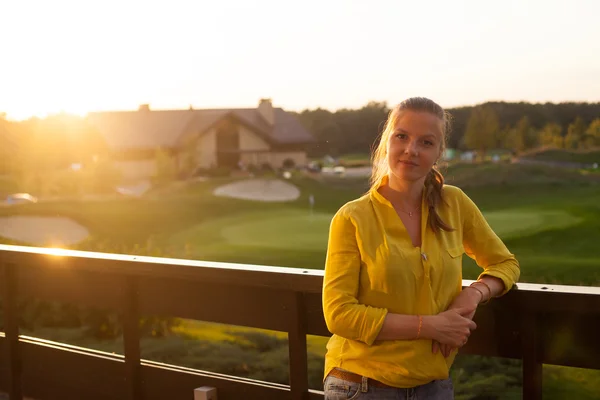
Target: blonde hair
434 181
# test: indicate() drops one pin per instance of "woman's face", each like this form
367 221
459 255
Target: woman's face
414 145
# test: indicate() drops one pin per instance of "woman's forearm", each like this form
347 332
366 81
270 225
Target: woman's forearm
406 327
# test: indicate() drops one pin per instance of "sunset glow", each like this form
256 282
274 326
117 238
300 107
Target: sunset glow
82 56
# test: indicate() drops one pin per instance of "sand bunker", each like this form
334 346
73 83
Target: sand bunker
135 189
42 231
270 190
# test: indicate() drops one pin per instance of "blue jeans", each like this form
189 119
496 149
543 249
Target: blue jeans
339 389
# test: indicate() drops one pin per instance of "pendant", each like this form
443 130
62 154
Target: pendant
410 214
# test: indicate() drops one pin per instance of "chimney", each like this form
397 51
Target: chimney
265 109
144 107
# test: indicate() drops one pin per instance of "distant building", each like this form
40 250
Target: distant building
212 138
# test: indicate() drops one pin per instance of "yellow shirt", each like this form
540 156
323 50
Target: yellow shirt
372 268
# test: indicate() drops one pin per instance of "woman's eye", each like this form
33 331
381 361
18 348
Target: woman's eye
428 143
401 136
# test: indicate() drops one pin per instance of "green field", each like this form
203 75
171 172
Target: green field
550 218
557 155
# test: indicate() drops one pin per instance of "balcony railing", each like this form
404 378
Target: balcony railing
540 324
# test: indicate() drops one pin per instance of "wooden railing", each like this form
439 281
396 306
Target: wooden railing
536 323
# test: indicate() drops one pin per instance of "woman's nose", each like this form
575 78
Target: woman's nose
411 148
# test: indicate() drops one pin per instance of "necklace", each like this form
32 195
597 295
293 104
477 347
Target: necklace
410 213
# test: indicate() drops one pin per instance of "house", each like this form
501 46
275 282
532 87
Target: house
202 138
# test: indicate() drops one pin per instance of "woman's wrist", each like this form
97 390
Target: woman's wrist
493 284
428 328
475 293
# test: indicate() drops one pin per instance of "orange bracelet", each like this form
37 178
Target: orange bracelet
420 325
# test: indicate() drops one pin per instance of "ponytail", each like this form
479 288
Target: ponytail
434 182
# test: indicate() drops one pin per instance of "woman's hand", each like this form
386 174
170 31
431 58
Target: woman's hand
452 327
468 298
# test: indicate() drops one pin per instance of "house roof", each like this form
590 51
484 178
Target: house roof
144 129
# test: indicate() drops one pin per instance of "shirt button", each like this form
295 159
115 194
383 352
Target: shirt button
424 256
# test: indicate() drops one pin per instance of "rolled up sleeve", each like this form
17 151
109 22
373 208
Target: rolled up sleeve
486 248
344 315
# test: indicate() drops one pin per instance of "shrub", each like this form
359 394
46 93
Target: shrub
288 163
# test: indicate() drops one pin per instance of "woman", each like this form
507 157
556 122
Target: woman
392 291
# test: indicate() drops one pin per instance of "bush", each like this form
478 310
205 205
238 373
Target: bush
97 323
254 355
288 163
214 172
253 169
266 167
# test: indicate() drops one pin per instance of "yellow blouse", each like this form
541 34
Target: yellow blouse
372 268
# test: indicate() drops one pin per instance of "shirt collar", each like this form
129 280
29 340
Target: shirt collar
375 195
378 197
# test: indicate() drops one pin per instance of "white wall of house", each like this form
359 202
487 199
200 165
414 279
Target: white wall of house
255 150
254 158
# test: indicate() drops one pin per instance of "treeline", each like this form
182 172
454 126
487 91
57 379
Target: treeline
45 155
514 127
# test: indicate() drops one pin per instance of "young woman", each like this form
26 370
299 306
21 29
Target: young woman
392 292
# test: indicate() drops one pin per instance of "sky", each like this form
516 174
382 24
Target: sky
78 56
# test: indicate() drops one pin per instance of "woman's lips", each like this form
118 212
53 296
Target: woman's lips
409 163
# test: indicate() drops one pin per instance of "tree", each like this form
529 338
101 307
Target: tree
593 134
355 130
482 129
575 134
510 141
551 135
525 135
321 123
505 138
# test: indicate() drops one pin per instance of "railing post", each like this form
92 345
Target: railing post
8 286
532 368
298 350
131 339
